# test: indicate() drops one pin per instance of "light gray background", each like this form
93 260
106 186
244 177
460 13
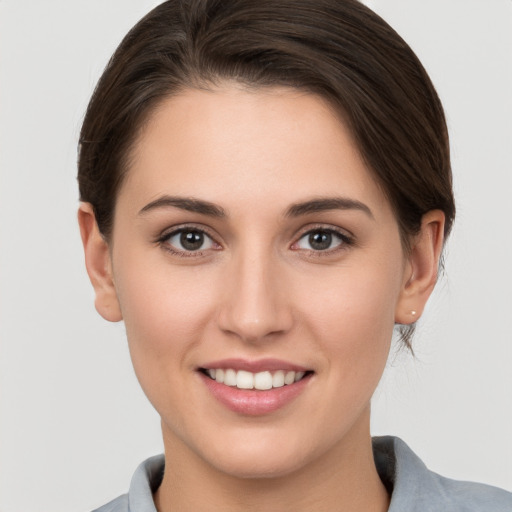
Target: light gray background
74 423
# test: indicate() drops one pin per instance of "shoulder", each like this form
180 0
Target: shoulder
473 497
145 481
120 504
415 488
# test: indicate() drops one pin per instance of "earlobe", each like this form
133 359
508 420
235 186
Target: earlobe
98 264
421 269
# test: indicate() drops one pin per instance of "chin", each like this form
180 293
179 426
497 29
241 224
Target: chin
259 453
260 465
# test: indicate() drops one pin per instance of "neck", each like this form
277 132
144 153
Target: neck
345 479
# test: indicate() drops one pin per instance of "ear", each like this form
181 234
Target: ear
421 269
99 265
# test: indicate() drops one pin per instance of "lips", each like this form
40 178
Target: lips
254 387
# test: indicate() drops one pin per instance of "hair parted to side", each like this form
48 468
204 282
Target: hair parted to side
338 49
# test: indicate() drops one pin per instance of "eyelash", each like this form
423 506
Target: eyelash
345 241
163 241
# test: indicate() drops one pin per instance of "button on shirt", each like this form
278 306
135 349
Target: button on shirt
412 486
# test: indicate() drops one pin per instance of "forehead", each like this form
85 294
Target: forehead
264 145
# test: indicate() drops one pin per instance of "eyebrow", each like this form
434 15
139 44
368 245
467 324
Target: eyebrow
185 203
327 204
295 210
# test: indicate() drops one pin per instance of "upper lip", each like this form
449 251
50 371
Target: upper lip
260 365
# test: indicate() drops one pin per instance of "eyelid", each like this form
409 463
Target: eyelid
166 234
325 227
347 238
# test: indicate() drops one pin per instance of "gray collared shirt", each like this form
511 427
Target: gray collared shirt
413 487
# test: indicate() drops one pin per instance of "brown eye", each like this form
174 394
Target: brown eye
189 240
322 240
192 240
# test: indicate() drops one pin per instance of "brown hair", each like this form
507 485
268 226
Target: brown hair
338 49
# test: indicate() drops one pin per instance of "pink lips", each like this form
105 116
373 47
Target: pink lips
261 365
255 402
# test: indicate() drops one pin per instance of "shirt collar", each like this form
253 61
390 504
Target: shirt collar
409 482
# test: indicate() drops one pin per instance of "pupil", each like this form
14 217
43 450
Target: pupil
320 240
192 240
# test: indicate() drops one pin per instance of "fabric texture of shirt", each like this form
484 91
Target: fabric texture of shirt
412 486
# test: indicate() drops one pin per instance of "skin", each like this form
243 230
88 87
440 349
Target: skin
257 289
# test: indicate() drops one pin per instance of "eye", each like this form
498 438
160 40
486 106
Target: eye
321 240
188 240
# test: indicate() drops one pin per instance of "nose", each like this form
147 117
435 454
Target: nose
255 305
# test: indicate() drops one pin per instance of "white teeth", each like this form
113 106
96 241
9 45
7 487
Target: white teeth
244 380
289 378
263 380
230 377
278 379
248 380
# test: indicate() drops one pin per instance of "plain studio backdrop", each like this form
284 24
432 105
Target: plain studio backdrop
74 424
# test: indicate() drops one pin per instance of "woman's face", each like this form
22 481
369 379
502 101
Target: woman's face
250 242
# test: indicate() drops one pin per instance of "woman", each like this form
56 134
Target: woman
266 190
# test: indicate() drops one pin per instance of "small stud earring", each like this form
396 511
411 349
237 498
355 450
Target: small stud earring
413 313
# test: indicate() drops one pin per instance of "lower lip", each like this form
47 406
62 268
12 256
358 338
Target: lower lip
253 402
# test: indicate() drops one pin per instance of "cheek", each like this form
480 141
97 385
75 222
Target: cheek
352 328
165 310
352 317
356 297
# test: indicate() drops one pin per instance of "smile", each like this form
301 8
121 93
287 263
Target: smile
262 381
256 387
